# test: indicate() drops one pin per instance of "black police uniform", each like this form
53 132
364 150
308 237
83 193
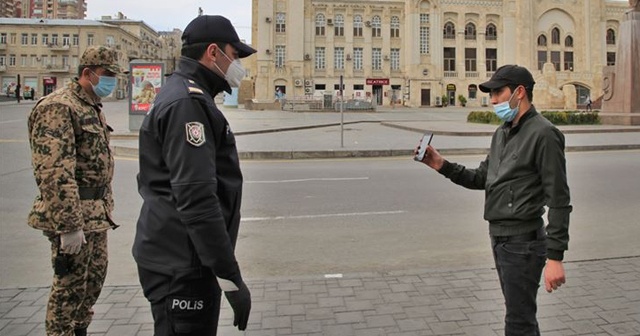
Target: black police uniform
191 184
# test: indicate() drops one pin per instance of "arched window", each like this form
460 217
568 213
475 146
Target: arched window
281 22
542 40
320 24
395 26
611 37
376 26
470 31
492 32
555 36
357 25
568 42
338 23
472 91
449 31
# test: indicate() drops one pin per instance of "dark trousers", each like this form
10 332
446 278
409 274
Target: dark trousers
519 262
186 303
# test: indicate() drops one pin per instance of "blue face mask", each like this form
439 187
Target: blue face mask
504 110
105 85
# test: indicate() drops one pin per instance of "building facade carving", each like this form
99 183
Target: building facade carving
430 52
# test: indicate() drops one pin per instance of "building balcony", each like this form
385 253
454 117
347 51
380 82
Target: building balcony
57 47
3 68
57 68
471 74
450 74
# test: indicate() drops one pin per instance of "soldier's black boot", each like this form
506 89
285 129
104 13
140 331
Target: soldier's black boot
80 332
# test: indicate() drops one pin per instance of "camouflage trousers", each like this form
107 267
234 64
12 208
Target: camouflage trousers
74 294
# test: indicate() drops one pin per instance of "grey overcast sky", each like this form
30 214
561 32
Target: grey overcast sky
164 15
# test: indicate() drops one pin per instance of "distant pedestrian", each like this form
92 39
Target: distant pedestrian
33 93
524 172
589 109
17 92
280 98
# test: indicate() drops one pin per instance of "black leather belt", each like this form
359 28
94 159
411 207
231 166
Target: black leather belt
92 193
525 237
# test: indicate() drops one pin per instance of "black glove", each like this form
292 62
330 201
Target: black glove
240 301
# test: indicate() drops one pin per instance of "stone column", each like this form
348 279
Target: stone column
621 100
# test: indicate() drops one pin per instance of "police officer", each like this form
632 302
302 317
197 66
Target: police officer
191 184
73 168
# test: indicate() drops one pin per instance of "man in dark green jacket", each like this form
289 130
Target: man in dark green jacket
524 172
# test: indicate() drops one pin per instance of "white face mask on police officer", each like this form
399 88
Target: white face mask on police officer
235 73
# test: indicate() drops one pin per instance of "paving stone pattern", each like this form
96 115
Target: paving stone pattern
601 297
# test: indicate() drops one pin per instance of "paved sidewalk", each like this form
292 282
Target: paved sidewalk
601 297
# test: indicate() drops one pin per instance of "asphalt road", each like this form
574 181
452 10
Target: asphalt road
341 216
308 217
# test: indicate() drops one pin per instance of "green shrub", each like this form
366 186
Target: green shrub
555 117
462 100
483 117
572 117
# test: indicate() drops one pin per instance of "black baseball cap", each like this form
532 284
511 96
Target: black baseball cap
214 28
509 75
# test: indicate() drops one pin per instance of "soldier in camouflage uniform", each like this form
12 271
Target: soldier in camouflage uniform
73 168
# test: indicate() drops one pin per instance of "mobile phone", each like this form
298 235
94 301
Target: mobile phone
422 150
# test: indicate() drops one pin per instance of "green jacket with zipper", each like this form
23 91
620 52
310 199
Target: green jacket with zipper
524 171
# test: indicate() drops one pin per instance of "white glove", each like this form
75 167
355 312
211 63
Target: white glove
71 242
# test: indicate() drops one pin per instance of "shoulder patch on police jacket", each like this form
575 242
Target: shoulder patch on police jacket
195 133
193 88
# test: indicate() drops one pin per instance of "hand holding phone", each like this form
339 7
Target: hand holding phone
422 149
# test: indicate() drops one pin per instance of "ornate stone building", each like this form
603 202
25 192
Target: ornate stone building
426 52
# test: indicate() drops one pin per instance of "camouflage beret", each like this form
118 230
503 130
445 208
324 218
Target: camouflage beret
102 56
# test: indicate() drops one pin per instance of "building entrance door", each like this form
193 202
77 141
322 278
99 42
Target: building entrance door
377 94
425 97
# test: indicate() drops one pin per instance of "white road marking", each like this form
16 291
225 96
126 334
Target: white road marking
11 121
310 180
349 214
333 276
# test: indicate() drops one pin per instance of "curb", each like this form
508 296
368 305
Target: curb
371 153
134 135
490 133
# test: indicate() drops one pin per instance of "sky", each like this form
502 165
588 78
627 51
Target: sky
164 15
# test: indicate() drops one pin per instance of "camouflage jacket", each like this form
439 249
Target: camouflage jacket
69 140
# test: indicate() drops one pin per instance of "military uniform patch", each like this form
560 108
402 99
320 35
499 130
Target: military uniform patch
195 133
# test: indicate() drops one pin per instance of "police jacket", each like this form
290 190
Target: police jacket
524 171
189 178
72 163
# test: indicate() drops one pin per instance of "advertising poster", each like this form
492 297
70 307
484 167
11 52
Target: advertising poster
8 85
30 88
146 80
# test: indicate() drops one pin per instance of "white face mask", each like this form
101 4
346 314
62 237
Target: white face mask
235 73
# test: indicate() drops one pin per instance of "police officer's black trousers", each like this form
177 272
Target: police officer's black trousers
186 303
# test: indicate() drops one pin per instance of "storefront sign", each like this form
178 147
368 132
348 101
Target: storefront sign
377 81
